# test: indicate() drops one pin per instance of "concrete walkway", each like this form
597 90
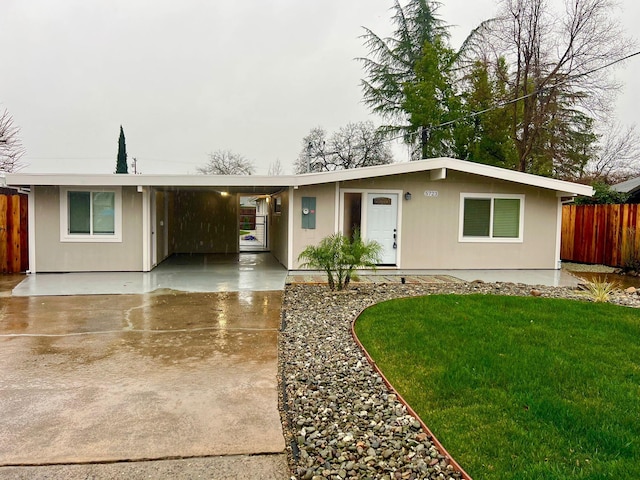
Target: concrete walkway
87 379
551 278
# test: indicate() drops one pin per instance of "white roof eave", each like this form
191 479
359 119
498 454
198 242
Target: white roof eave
27 179
446 163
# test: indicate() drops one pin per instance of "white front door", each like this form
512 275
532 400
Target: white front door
382 224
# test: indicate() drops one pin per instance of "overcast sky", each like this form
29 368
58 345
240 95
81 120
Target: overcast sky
187 77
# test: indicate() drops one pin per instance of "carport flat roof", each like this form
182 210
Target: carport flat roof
270 184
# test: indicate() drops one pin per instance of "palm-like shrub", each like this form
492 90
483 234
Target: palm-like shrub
338 256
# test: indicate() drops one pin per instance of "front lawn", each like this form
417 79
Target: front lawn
517 387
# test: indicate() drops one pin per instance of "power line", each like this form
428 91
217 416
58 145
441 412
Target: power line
535 92
505 103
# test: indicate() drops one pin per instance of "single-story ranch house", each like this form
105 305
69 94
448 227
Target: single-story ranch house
439 213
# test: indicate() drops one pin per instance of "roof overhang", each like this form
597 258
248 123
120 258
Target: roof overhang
438 167
271 184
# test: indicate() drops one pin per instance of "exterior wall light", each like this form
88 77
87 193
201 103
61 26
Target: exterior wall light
407 196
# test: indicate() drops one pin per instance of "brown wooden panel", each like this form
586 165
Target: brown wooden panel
14 250
4 267
566 245
615 234
600 233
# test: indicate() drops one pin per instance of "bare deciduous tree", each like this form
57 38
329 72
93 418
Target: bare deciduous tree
556 68
11 149
352 146
226 162
275 169
617 158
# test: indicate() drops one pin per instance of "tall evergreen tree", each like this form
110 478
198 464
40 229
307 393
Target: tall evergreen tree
398 86
121 165
430 101
486 137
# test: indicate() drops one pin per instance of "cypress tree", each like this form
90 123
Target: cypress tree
121 165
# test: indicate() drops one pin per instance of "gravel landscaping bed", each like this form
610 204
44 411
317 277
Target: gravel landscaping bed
339 418
585 267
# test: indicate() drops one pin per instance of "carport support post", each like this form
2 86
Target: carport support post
31 212
146 228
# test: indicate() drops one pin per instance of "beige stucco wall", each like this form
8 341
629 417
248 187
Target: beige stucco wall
430 225
52 255
205 222
278 230
325 217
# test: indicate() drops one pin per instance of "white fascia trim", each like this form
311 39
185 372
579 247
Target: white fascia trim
284 181
249 181
445 163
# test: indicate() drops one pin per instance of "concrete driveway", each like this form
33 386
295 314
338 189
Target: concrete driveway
108 378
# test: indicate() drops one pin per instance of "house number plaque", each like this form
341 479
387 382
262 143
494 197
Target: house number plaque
430 193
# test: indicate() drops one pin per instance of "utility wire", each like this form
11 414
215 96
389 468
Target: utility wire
535 92
502 104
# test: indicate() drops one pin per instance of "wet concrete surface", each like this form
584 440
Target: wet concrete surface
184 272
241 467
136 377
8 281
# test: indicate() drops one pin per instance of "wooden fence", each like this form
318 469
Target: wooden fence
247 218
14 251
604 234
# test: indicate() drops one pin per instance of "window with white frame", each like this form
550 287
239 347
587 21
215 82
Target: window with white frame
491 217
90 215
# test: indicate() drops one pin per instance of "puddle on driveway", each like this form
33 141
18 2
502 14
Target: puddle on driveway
622 281
8 281
116 377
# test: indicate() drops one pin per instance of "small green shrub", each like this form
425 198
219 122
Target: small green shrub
339 257
602 194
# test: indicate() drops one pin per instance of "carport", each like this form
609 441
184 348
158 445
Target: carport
189 220
132 223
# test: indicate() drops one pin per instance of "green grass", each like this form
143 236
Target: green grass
244 232
517 388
